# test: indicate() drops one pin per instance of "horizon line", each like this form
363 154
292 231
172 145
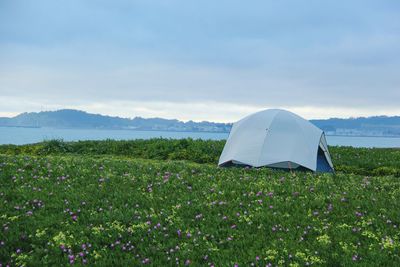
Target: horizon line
15 114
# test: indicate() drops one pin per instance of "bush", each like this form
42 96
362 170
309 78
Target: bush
363 161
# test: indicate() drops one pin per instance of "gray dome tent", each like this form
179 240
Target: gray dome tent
278 139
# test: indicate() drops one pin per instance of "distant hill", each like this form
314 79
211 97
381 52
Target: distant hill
67 118
368 126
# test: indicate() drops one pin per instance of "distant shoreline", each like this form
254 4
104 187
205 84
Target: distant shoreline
112 129
9 126
377 136
174 131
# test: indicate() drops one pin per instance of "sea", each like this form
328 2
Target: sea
21 135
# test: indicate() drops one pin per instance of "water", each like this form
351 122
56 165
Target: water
363 141
19 136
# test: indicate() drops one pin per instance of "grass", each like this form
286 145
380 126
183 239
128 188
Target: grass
363 161
98 209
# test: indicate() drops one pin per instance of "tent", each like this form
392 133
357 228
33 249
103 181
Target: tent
278 139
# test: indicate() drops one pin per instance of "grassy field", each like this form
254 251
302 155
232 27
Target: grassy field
363 161
164 202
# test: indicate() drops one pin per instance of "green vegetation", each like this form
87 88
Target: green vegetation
363 161
105 204
198 151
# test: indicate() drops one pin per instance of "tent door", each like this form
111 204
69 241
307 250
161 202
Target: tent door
322 163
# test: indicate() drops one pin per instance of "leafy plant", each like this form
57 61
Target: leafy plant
107 210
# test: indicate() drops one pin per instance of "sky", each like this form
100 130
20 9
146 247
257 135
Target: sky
200 60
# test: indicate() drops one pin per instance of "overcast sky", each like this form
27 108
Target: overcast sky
213 60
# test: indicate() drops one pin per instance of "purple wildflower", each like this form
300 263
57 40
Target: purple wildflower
359 214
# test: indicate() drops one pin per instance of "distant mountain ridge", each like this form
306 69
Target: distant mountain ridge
367 126
69 118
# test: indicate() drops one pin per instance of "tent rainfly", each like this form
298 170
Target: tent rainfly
278 139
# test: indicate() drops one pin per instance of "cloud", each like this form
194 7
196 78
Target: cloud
340 86
197 111
175 58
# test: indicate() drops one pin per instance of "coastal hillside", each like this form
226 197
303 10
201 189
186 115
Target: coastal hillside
67 118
